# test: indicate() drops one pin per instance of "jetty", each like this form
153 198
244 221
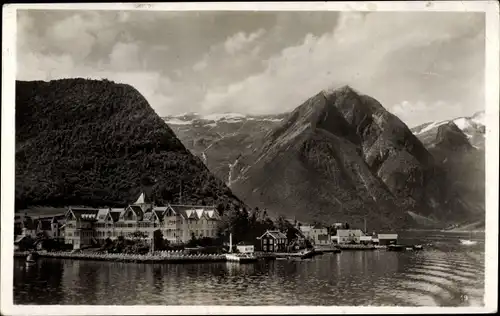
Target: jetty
404 247
356 247
157 257
300 255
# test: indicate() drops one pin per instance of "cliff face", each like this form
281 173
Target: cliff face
341 156
100 143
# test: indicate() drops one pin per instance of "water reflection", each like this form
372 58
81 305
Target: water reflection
431 277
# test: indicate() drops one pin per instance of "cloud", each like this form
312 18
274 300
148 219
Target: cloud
366 51
415 113
201 65
241 40
125 56
263 62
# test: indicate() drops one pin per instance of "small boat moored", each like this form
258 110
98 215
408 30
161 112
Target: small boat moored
467 242
31 259
396 248
241 258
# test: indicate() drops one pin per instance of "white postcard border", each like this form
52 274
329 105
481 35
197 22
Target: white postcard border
492 156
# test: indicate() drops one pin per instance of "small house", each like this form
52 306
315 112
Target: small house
387 239
317 234
273 241
348 236
243 247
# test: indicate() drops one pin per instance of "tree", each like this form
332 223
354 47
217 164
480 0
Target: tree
138 235
291 233
158 241
282 224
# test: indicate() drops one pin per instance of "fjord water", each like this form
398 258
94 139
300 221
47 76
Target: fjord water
446 274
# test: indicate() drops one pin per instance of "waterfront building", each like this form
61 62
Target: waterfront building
273 241
317 234
347 236
299 242
178 223
51 226
245 247
386 239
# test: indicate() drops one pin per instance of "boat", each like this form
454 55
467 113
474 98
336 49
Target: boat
418 247
309 254
468 242
396 248
241 257
31 259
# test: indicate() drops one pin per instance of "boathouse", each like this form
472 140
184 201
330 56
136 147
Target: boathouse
387 239
273 241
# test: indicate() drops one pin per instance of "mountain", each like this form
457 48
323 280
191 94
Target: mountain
223 140
473 128
458 148
340 156
99 143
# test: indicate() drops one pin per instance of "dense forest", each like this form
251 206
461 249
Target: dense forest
99 143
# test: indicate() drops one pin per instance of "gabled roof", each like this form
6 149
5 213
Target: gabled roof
84 213
137 210
274 234
115 214
58 218
149 216
102 214
141 199
159 214
194 211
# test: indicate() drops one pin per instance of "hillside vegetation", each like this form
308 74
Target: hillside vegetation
99 143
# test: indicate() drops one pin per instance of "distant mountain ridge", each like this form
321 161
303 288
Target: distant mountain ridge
99 143
222 140
473 128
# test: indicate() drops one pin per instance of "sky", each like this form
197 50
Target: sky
422 66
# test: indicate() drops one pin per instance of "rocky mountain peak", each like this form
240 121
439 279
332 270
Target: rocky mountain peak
452 137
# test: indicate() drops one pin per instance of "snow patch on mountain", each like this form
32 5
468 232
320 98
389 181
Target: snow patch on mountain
463 123
431 126
176 121
213 119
